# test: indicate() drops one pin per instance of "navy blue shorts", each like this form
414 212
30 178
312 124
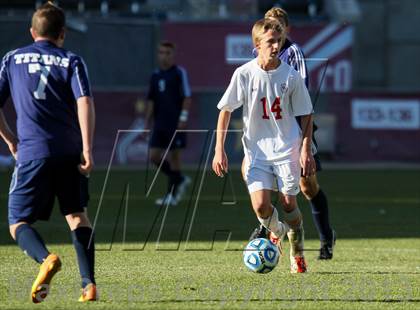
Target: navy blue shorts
317 162
36 183
162 138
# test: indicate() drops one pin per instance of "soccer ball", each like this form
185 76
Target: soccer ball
261 255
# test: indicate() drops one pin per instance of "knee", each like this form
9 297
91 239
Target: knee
288 206
155 158
13 228
243 169
309 187
262 208
76 220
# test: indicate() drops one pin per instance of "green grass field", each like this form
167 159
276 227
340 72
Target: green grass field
144 260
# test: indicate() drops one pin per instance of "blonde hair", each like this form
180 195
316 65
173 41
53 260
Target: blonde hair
49 20
279 14
262 26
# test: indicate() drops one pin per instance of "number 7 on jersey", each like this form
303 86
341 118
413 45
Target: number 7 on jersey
43 79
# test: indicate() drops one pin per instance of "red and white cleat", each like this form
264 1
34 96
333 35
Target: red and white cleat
298 264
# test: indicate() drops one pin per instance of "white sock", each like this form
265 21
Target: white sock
273 224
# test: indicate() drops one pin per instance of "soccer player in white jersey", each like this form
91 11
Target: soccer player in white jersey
271 94
292 54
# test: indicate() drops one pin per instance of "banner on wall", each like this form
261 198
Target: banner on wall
401 114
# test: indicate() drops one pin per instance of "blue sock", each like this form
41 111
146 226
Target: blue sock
319 205
85 253
31 243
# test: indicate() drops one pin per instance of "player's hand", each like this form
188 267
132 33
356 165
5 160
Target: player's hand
182 125
220 163
86 165
307 163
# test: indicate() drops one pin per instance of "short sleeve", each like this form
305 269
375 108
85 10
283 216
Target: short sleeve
4 80
301 102
185 86
234 95
151 91
79 80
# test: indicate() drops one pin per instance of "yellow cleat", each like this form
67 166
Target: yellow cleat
41 285
89 293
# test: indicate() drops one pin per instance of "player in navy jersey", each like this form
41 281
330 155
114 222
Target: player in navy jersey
169 99
293 55
51 94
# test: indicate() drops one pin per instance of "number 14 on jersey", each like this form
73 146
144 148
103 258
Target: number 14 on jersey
275 108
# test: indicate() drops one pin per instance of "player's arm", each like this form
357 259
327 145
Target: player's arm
220 161
302 107
86 115
186 103
306 158
149 114
183 117
5 131
232 99
85 111
150 104
7 134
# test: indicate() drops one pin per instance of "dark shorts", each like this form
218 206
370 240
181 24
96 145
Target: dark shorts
162 139
36 183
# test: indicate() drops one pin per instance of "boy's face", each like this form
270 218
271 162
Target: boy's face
269 45
165 57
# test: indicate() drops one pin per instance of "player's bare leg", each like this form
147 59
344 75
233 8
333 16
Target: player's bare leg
166 167
32 244
311 190
267 215
261 231
84 244
293 218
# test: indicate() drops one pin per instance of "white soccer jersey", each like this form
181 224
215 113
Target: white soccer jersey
271 100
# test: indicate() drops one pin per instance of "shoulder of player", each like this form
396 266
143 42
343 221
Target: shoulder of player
73 57
246 68
181 71
155 74
5 61
291 72
295 49
9 54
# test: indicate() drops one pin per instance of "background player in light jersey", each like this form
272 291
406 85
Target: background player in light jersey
271 94
291 53
51 93
169 100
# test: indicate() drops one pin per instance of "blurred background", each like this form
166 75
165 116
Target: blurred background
362 57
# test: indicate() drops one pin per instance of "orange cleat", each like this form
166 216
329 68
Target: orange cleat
41 285
89 293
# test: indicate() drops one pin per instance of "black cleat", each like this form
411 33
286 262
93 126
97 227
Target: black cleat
259 232
326 250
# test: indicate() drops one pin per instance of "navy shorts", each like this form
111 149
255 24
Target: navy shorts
162 138
36 183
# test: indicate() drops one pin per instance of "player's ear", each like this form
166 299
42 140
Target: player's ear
33 33
61 37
